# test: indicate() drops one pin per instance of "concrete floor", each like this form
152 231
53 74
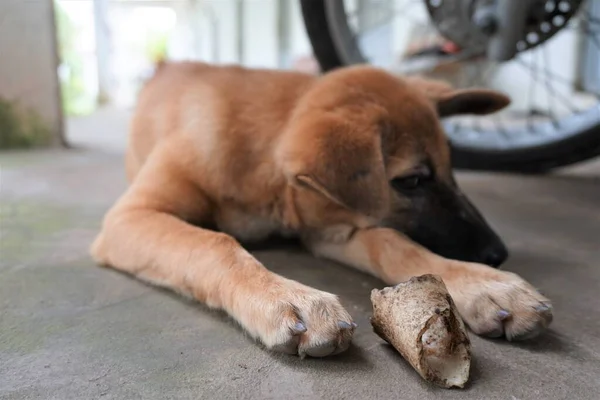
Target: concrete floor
71 330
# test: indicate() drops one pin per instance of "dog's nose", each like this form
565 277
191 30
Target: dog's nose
494 256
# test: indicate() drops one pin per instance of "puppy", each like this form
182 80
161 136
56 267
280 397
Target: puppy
354 163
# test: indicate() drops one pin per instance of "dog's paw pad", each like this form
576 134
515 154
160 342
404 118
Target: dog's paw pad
320 350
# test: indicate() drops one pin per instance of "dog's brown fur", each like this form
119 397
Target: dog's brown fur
254 153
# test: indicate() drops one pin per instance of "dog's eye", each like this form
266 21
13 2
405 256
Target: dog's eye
408 183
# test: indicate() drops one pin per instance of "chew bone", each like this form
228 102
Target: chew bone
420 320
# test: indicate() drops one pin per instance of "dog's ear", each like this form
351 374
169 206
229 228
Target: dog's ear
450 101
471 101
339 159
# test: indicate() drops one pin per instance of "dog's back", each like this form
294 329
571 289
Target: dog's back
216 108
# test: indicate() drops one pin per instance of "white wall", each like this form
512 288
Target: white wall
246 32
28 59
259 29
225 13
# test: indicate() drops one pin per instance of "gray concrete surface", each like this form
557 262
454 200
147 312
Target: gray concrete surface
71 330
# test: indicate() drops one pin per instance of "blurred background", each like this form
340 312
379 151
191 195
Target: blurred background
103 50
70 71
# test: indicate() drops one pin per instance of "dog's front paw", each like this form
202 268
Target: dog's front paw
297 319
497 303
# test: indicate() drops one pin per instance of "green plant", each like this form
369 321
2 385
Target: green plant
20 128
156 46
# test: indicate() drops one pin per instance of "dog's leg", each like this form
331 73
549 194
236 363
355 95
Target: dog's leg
492 302
145 235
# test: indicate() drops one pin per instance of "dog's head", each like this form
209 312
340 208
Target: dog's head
369 143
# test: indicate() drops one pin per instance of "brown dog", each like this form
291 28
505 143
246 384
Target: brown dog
354 163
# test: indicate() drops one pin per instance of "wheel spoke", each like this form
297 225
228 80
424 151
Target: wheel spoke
482 76
594 38
500 127
550 74
582 27
547 104
564 100
532 90
549 86
589 17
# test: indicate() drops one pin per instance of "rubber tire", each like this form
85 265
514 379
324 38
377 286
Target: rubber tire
542 159
575 149
316 24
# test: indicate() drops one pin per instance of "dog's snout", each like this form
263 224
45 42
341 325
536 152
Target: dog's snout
494 255
448 224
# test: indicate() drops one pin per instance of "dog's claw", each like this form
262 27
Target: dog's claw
344 325
354 324
299 328
503 314
543 307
